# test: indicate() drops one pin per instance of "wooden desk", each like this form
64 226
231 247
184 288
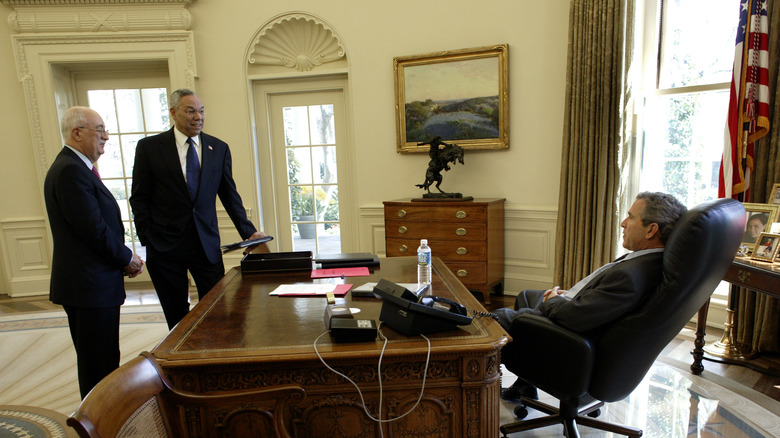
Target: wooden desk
762 277
238 337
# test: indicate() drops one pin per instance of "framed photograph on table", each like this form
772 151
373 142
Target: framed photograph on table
774 196
766 247
461 96
759 220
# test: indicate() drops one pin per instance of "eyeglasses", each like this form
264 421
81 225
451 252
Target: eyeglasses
102 131
190 111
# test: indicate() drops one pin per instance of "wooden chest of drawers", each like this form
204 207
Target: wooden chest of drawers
466 235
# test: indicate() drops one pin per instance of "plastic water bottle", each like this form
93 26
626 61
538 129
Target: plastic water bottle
423 263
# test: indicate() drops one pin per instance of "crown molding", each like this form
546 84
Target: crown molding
58 16
33 3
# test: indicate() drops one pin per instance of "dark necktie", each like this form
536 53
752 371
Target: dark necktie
94 170
193 170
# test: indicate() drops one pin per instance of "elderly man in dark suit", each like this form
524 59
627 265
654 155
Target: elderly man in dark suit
90 256
177 177
609 292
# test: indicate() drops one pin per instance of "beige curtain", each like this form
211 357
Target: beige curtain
758 315
594 137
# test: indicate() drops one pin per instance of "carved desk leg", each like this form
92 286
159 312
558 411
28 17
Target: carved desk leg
698 345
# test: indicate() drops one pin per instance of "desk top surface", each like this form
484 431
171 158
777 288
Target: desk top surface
239 321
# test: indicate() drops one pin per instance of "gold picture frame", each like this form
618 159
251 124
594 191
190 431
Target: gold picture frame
774 195
461 96
759 219
766 247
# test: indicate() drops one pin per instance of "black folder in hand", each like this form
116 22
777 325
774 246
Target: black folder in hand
245 243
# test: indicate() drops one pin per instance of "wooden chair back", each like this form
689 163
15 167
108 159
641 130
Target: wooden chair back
137 400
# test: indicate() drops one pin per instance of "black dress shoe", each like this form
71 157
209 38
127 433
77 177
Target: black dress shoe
518 390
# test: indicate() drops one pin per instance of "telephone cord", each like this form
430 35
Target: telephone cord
379 371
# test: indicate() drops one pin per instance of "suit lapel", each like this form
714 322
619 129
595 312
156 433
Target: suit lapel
208 162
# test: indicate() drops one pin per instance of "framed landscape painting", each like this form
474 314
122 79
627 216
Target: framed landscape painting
461 96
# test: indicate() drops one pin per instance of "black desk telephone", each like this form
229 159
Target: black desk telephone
409 314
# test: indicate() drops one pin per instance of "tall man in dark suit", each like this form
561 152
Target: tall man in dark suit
90 256
177 177
611 291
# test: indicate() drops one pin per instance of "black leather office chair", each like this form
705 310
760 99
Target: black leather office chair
584 373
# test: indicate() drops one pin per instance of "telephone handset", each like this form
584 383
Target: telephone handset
406 313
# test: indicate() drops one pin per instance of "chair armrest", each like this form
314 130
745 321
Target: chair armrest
562 363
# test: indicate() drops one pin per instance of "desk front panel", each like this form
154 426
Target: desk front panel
238 337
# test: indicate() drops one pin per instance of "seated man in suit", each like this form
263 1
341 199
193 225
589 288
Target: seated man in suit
608 293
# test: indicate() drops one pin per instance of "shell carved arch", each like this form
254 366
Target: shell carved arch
296 41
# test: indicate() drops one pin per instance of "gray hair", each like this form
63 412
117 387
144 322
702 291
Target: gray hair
176 96
662 209
73 118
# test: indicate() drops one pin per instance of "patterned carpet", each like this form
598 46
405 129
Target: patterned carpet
37 368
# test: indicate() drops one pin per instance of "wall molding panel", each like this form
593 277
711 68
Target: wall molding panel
25 252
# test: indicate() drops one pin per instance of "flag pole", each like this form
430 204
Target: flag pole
727 348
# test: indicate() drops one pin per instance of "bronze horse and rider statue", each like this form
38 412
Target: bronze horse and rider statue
441 155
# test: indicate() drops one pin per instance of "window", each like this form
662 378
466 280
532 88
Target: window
687 76
688 55
129 115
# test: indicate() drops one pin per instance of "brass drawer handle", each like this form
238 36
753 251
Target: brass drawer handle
460 214
461 251
402 229
404 248
460 231
462 273
401 213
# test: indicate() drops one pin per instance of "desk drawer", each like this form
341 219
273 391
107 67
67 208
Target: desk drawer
434 230
474 273
453 249
428 212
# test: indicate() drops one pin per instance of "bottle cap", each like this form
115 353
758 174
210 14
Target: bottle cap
423 241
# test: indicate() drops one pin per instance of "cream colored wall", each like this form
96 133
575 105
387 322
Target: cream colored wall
527 174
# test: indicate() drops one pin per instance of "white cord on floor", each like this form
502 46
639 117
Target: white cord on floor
379 371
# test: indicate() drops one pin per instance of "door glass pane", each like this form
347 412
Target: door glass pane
327 199
102 101
322 127
155 107
299 166
128 150
110 163
325 157
328 238
128 106
117 188
302 205
296 122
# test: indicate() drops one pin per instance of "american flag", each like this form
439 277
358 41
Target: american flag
748 116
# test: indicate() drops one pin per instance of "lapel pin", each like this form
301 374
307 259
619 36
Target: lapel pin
210 148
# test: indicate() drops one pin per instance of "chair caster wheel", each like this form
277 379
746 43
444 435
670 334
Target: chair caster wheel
521 412
595 413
